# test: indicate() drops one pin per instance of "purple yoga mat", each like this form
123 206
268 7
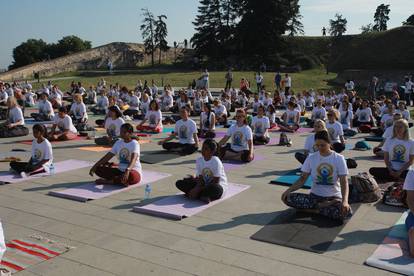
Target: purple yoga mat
304 130
232 164
92 191
60 167
178 206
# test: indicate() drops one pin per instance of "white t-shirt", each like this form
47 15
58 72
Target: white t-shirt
15 115
41 152
3 96
271 116
404 113
260 125
387 120
349 85
364 115
133 103
388 132
239 137
204 124
335 130
288 82
259 79
79 110
64 123
319 113
113 127
103 102
220 110
409 181
345 118
310 143
255 106
325 172
399 151
45 107
408 87
124 153
291 116
145 106
185 131
153 116
211 168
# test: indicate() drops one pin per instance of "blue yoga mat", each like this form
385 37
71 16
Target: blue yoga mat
374 139
167 129
290 179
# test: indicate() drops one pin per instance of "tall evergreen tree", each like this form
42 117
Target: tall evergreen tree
148 33
294 25
381 18
160 38
409 21
337 25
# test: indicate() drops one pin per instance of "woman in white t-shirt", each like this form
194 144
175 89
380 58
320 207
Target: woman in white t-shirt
113 125
129 170
260 126
363 115
255 105
290 119
133 104
186 132
210 181
329 193
42 155
241 146
102 104
144 107
154 118
220 111
78 110
45 109
207 122
318 112
310 147
335 130
409 221
398 155
346 118
62 128
14 124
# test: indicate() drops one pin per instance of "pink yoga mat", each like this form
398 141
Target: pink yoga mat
92 191
304 130
233 165
60 167
178 206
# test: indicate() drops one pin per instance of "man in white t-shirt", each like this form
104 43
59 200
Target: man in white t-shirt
349 85
62 128
288 84
259 81
408 90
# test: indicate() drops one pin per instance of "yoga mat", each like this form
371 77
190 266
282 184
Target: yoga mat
234 165
77 138
158 156
33 122
290 178
23 253
349 146
276 128
92 191
301 230
95 149
178 207
373 139
273 141
60 167
304 130
393 254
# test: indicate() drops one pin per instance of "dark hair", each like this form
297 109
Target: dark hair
39 128
323 135
262 108
116 110
244 113
212 145
44 94
157 106
208 106
62 109
128 127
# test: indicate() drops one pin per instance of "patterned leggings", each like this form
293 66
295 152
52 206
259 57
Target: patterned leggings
311 201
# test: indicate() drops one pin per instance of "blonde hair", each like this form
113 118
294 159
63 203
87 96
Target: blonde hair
335 113
404 123
322 122
12 101
78 97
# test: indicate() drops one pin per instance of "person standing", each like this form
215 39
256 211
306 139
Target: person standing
278 80
205 78
229 79
408 90
259 81
288 84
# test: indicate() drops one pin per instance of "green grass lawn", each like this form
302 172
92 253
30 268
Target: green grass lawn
315 78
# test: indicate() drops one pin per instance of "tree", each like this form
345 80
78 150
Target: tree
33 50
409 21
160 36
294 25
66 46
337 25
366 28
148 33
381 18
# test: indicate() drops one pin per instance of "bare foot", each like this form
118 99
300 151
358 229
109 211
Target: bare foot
411 240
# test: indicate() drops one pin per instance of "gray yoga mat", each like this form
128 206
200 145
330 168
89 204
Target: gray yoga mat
157 156
301 230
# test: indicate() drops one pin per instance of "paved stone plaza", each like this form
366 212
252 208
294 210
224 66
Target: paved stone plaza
109 239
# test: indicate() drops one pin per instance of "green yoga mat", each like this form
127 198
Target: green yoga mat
301 230
290 178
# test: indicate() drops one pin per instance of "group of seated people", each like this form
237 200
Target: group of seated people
333 117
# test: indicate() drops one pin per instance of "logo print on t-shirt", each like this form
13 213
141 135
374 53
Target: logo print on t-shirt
331 132
182 132
318 115
77 111
399 154
152 119
237 138
124 156
37 155
343 119
324 174
112 130
363 117
259 128
207 175
389 122
61 126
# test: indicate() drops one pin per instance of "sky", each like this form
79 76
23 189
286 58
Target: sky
105 21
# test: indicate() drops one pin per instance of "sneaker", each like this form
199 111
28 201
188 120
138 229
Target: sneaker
23 175
392 201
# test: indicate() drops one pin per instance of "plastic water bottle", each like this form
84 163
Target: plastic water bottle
147 191
52 169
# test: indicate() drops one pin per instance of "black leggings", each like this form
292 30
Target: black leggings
338 147
244 154
382 175
16 131
182 149
206 134
212 192
41 117
261 140
105 141
25 167
131 112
